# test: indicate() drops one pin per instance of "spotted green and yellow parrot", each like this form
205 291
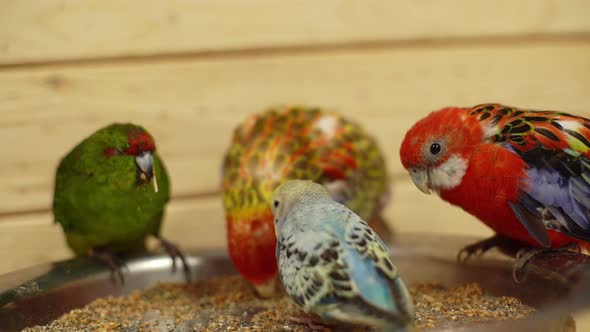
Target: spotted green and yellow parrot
524 173
110 194
295 143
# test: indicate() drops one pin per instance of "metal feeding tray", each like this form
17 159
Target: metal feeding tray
557 286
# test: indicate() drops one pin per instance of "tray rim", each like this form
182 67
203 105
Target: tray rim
412 242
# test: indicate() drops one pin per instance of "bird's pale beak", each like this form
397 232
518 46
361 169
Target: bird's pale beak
145 163
420 178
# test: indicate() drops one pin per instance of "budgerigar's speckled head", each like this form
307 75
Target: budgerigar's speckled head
293 192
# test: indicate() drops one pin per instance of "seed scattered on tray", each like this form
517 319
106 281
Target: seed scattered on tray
229 304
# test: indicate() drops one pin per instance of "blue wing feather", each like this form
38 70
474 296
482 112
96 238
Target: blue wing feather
557 192
373 286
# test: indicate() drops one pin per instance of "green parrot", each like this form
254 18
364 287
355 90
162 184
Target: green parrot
110 194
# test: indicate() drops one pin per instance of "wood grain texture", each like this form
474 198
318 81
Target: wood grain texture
50 30
199 223
192 106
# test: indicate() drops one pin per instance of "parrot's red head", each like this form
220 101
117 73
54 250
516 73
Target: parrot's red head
138 141
132 140
435 151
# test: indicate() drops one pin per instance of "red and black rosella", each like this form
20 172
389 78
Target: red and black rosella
295 143
523 173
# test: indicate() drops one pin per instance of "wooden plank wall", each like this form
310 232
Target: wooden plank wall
190 70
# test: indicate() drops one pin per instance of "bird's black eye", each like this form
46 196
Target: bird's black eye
276 204
435 148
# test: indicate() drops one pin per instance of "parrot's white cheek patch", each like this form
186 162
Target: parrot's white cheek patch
449 174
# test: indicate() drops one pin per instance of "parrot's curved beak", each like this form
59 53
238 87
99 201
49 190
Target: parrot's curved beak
420 178
145 163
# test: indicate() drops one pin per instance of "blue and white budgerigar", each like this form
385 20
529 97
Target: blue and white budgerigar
332 264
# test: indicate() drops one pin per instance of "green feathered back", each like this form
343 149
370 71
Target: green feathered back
98 200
